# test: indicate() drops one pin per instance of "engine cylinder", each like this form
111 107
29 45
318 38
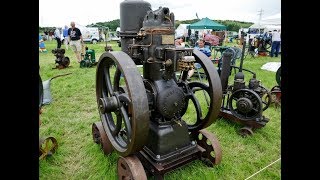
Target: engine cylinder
132 13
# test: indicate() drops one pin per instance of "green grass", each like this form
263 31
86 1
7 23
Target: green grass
74 108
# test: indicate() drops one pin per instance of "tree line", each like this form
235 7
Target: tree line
231 25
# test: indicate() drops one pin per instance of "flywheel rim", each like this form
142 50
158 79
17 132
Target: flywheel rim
131 107
214 91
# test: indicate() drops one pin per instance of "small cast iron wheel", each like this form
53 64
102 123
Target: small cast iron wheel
213 90
40 92
47 147
100 137
210 143
246 131
278 76
245 104
124 115
131 168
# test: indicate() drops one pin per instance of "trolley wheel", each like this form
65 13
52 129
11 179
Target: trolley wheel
100 137
131 168
246 131
210 143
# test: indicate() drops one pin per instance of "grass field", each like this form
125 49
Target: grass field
74 108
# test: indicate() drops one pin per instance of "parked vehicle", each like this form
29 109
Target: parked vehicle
90 34
112 36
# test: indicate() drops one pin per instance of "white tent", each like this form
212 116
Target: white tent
269 23
257 26
182 30
265 27
272 20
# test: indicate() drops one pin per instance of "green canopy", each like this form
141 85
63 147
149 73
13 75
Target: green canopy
206 23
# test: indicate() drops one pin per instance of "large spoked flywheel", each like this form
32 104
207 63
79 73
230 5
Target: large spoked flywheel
211 92
122 103
245 104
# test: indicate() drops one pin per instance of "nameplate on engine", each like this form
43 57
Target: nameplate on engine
167 39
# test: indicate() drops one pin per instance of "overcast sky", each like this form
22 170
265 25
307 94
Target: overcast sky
85 12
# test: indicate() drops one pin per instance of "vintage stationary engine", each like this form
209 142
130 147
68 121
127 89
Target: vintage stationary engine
61 61
88 59
241 103
143 116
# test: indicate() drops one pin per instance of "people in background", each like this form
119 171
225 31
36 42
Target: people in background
211 38
42 47
57 37
65 36
225 36
75 40
179 42
205 50
276 41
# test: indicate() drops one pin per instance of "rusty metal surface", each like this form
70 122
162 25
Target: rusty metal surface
212 146
229 116
131 168
132 111
47 147
100 137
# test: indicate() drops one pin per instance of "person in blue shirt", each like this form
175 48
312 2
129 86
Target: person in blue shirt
66 36
204 49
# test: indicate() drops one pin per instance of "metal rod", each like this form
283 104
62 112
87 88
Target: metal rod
243 51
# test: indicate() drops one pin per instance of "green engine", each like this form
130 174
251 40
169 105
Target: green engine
88 59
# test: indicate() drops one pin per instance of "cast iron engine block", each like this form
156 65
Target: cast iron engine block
142 116
241 103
